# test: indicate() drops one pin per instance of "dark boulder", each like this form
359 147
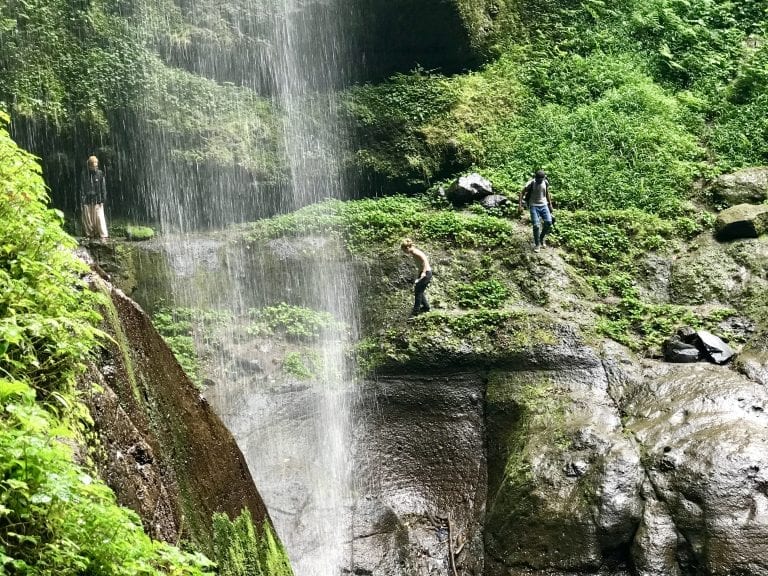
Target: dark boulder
711 347
742 221
679 352
469 188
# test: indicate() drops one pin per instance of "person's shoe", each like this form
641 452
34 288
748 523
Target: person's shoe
537 248
425 309
543 244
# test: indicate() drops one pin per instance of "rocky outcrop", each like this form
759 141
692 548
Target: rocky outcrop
163 450
422 468
504 442
748 186
563 478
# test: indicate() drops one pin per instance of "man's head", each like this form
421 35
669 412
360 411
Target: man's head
406 245
93 163
540 175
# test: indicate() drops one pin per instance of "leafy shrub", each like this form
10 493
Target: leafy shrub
139 233
293 322
56 518
68 62
302 365
603 241
47 313
739 138
391 119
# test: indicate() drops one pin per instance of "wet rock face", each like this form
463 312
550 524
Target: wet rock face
422 476
164 452
705 452
563 479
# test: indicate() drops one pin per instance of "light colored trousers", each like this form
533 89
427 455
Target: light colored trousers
94 223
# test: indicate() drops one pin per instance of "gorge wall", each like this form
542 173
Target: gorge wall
526 444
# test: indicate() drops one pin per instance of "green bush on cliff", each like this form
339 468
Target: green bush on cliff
56 517
68 62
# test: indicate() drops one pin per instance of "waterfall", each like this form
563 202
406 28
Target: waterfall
296 438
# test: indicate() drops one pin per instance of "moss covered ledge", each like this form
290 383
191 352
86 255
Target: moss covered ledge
480 339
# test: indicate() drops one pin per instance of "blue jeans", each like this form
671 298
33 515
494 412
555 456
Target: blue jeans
538 214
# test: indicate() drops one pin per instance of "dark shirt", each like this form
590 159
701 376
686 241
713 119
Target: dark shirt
93 189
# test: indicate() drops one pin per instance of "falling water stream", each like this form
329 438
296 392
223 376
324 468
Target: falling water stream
296 439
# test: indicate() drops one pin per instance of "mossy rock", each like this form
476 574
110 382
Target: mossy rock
749 185
706 274
139 233
742 221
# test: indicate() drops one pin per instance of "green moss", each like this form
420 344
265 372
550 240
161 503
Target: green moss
535 414
241 548
477 337
139 233
292 322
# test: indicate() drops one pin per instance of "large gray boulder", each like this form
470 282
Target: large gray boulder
748 186
742 221
702 429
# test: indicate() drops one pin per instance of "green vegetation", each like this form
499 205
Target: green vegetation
93 69
242 550
626 106
439 338
56 516
302 365
292 322
366 224
181 327
482 294
139 233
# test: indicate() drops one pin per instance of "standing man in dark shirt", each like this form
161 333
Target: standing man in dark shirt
93 193
536 195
